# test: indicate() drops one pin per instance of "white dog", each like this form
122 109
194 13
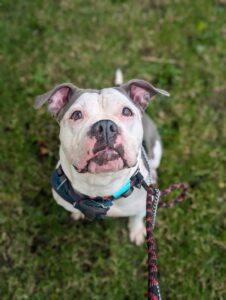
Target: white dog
101 136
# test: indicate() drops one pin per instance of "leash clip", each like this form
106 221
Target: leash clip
138 180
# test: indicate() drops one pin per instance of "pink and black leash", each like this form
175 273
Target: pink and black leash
154 200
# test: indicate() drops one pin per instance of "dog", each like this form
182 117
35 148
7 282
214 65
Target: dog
102 138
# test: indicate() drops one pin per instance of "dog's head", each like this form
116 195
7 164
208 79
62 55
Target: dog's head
100 130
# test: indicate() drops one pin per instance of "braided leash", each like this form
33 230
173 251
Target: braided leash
153 202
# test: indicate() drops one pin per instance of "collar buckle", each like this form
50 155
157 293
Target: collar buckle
137 180
128 192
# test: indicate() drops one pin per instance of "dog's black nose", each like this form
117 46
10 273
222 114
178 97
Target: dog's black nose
105 130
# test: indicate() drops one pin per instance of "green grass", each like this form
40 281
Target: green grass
177 45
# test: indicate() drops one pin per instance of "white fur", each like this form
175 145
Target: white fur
118 77
157 153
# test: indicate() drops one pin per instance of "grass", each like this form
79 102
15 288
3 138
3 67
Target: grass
177 45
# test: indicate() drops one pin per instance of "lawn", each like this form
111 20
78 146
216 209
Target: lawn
178 46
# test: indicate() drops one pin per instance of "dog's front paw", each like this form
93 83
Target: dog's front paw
78 215
137 231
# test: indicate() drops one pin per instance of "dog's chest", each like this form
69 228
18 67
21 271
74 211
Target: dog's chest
132 205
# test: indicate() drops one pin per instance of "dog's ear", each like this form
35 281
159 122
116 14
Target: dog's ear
141 91
56 98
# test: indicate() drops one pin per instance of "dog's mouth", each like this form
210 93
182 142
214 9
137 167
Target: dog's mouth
106 159
105 155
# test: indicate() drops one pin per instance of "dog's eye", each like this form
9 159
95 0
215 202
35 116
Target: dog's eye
76 115
127 112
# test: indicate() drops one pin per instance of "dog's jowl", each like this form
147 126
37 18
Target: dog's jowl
103 134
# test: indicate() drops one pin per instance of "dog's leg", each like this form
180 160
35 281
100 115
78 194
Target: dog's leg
77 215
137 230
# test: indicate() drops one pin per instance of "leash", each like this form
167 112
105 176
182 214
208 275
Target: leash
154 200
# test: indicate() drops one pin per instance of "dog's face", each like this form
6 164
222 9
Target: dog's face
100 131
